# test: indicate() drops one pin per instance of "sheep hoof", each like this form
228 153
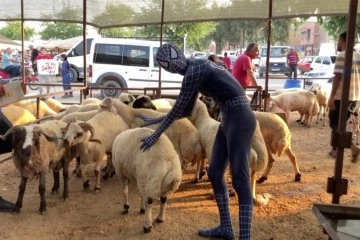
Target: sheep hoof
86 184
202 173
298 121
158 220
97 189
298 177
104 169
53 191
106 176
126 209
261 180
231 193
195 180
42 210
147 230
112 174
142 211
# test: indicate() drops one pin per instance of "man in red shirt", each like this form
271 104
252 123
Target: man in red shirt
227 61
243 67
292 61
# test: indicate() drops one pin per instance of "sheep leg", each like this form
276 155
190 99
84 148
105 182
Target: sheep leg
161 216
66 180
110 170
77 167
86 184
199 167
270 163
148 215
97 177
42 189
253 184
203 168
20 197
56 186
142 206
294 163
125 189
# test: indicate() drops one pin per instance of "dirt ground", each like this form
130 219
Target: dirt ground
86 215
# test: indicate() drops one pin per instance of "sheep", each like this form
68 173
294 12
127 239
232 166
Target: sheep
322 92
143 101
31 105
302 101
208 128
55 105
38 147
277 138
80 116
182 133
93 139
127 98
285 90
157 172
18 115
77 108
87 101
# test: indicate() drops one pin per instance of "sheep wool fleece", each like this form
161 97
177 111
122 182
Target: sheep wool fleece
233 138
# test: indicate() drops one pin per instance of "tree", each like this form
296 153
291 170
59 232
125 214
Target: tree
62 30
12 30
337 24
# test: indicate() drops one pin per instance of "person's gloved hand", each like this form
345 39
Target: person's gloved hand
148 142
148 120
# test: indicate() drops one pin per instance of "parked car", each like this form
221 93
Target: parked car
319 75
304 64
323 61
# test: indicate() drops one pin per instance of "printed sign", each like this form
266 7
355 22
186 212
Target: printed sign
13 93
47 67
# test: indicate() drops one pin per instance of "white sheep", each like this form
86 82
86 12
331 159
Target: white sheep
127 98
93 139
303 101
277 137
38 147
79 116
157 172
31 105
322 92
208 128
55 105
18 115
77 108
87 101
182 133
285 90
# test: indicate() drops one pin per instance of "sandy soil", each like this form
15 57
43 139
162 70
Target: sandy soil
86 215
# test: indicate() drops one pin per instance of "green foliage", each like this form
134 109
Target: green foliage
337 24
60 30
118 32
12 30
115 13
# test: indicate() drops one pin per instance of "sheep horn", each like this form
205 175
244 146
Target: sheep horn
8 132
87 127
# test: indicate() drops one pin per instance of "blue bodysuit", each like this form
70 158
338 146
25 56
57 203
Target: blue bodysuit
233 139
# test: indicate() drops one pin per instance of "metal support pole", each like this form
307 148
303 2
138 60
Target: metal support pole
268 54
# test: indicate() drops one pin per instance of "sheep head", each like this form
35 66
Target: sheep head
74 134
143 102
126 98
87 127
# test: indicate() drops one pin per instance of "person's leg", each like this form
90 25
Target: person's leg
295 72
216 172
334 123
239 138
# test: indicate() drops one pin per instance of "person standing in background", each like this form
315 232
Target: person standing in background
34 54
65 75
292 61
42 77
243 69
227 61
336 91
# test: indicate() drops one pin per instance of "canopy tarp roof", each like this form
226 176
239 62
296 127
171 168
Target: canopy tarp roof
6 42
62 44
119 13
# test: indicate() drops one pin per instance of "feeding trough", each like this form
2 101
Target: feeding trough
340 222
293 83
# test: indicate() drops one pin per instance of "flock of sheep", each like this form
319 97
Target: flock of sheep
96 129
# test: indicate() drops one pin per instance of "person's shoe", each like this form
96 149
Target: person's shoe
332 153
64 96
6 206
71 95
218 232
355 152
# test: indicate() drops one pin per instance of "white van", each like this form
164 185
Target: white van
277 60
75 57
127 63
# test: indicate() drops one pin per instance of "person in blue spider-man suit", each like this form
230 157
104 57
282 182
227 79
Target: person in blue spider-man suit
233 139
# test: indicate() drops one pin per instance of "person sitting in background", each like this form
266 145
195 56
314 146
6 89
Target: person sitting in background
215 59
7 63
